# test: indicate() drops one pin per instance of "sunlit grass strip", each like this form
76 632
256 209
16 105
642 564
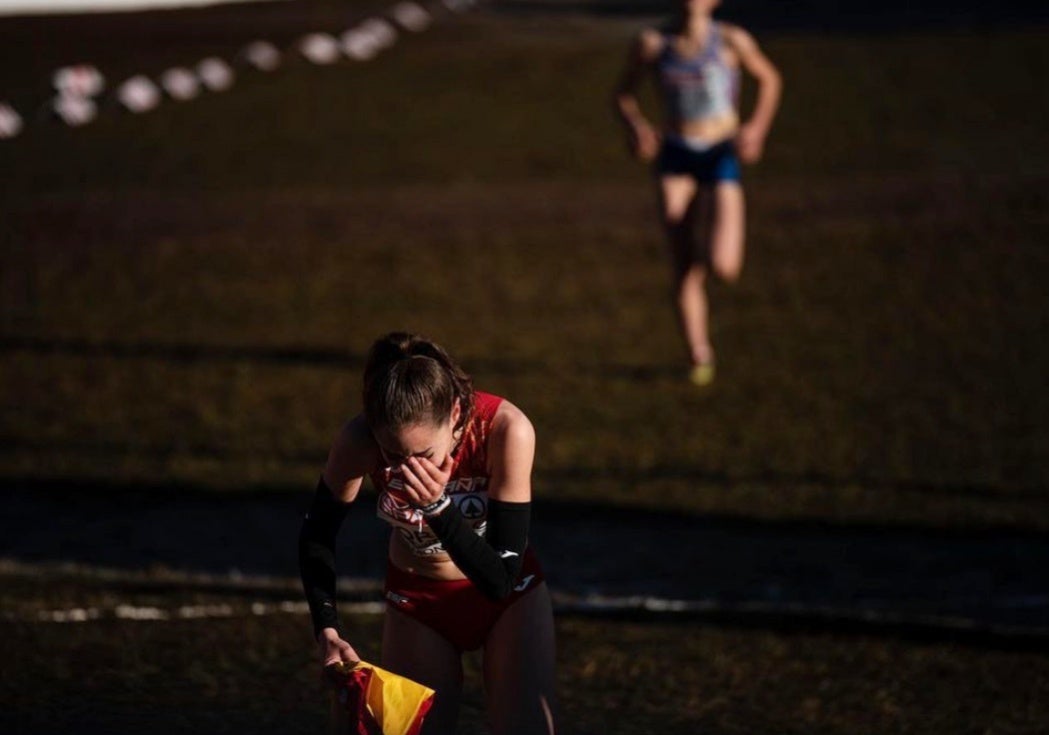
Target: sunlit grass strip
153 613
595 605
218 583
645 606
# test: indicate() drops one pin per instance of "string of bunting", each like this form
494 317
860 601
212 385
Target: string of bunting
81 91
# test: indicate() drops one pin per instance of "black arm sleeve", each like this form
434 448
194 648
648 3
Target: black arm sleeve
492 563
317 556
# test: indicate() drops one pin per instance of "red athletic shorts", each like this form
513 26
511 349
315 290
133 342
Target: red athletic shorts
456 609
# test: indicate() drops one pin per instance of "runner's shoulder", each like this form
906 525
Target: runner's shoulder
650 43
511 424
737 37
353 454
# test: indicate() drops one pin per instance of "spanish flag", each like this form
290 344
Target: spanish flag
372 701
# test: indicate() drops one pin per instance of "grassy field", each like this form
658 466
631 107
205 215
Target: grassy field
258 674
187 296
180 289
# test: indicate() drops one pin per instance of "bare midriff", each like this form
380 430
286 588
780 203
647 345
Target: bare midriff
432 566
711 130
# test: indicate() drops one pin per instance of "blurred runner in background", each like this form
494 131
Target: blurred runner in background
696 63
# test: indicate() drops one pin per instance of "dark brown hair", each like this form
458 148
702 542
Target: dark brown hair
409 380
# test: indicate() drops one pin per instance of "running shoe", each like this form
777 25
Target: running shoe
701 375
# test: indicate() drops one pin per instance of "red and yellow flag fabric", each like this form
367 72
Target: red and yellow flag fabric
372 701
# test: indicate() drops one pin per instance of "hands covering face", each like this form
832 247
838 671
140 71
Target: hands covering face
424 481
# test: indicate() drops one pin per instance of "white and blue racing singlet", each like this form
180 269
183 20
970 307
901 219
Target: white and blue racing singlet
697 87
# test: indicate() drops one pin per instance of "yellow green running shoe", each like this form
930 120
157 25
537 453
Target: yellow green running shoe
701 375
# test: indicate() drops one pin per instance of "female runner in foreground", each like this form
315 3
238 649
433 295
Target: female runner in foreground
453 470
696 62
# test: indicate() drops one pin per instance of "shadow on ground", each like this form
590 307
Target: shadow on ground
599 560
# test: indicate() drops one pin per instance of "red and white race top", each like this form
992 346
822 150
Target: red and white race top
467 486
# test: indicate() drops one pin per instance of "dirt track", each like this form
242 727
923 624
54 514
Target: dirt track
815 574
